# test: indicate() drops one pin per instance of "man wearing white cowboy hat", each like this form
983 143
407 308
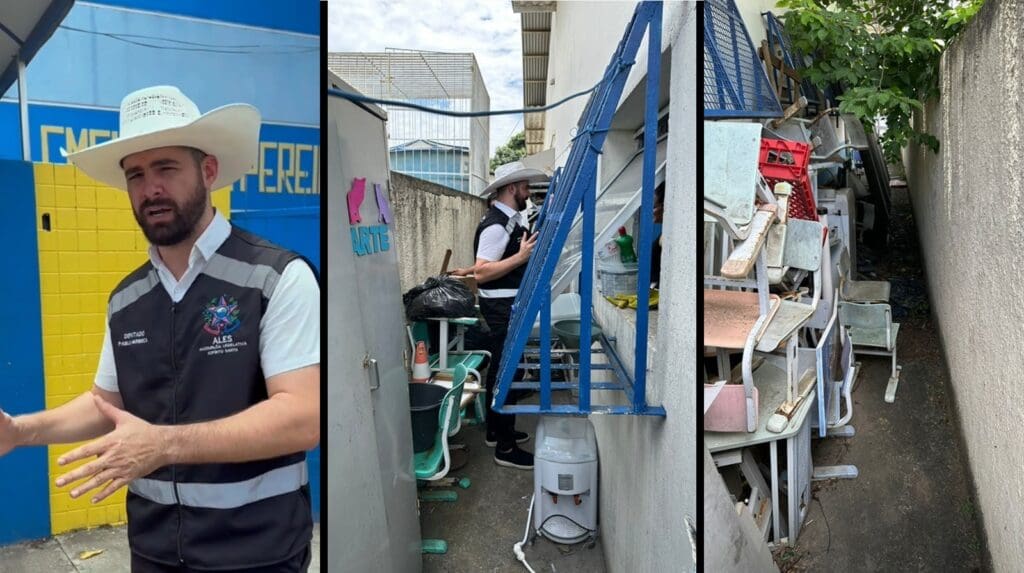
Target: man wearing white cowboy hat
207 391
502 248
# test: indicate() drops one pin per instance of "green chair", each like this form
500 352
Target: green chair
445 362
433 464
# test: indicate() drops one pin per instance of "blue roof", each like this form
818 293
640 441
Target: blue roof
428 145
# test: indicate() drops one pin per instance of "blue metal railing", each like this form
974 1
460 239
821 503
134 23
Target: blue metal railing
735 83
572 189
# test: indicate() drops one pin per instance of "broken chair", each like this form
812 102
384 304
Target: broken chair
859 291
873 332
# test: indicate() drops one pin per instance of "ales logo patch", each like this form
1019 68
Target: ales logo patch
221 317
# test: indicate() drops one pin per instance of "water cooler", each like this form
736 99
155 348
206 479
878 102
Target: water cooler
565 480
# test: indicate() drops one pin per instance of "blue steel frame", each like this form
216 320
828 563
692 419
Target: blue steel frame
736 87
571 188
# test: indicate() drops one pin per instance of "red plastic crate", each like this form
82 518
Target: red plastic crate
782 160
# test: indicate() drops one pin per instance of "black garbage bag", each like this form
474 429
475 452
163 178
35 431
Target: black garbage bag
439 297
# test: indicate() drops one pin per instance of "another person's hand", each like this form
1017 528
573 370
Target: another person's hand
135 448
8 433
526 247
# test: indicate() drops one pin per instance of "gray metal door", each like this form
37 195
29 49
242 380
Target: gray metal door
372 489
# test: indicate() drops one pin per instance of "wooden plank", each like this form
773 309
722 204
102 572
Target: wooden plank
742 258
790 112
764 54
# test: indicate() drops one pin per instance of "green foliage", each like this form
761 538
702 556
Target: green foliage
885 53
511 151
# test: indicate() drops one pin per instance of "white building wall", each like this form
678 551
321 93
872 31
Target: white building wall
648 465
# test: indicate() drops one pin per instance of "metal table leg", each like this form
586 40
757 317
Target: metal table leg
776 530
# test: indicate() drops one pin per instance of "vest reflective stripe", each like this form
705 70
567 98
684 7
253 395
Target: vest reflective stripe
243 274
498 292
224 495
132 292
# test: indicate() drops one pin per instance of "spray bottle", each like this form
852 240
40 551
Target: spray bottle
625 243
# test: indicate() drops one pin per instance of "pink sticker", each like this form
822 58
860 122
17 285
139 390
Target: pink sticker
355 200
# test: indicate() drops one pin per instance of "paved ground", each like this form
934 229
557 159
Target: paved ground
62 554
912 508
490 517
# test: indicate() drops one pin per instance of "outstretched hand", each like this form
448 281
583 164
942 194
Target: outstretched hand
135 448
8 433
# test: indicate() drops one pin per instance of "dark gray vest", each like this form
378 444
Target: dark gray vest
516 234
195 361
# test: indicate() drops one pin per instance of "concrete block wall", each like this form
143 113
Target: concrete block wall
968 203
429 219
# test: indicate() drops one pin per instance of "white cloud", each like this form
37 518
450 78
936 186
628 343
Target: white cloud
489 29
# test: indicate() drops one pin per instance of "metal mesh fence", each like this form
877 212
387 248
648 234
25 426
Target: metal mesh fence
450 151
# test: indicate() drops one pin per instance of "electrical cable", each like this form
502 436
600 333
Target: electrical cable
574 522
208 48
360 98
518 547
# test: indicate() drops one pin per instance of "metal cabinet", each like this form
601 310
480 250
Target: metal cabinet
373 518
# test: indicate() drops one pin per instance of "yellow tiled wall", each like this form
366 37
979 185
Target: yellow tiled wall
92 243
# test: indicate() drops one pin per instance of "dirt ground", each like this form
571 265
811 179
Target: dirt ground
912 507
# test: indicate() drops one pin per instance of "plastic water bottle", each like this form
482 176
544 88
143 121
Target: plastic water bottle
625 243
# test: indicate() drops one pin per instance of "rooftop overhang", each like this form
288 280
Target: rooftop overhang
24 28
536 32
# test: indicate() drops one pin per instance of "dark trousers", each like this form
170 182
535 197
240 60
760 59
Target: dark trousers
496 311
297 564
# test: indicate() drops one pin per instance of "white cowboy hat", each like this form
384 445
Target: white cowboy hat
510 173
161 116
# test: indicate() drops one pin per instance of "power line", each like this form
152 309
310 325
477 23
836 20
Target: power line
242 49
511 131
360 98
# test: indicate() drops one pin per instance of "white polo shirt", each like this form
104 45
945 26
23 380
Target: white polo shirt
494 239
289 329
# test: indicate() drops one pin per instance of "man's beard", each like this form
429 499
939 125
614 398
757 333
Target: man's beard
181 226
520 203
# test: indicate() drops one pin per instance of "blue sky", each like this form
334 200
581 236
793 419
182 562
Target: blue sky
489 29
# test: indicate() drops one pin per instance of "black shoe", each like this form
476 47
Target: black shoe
521 437
514 458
